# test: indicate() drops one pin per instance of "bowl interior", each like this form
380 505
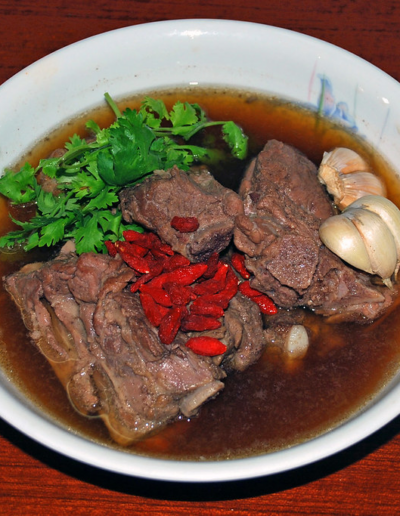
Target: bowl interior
206 53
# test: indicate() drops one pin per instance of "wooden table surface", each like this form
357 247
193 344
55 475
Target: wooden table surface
362 480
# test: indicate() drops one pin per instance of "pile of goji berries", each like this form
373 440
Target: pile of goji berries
178 295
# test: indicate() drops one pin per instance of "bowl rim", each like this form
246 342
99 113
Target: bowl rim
29 421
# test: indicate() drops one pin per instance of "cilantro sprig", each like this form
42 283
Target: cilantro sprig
89 175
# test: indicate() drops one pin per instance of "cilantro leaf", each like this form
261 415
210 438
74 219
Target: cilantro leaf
17 238
53 232
184 114
75 142
154 112
105 199
19 187
86 185
110 223
236 140
46 201
128 157
88 236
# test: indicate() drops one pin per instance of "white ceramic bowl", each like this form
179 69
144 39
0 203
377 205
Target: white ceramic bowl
204 52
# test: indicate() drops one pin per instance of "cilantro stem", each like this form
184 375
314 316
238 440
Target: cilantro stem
161 131
112 105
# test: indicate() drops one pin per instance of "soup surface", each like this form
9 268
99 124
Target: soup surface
275 403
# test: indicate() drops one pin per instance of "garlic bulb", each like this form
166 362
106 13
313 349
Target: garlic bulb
347 177
366 235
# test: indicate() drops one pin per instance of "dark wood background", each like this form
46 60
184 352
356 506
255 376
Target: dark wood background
363 480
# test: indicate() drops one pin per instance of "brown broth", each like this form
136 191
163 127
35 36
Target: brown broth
275 403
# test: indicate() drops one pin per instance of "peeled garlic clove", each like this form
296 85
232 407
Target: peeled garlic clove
386 210
296 342
378 240
340 235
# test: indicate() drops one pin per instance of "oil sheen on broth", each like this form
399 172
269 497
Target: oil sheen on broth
274 404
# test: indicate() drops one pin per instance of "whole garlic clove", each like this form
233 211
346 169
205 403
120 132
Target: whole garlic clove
357 185
347 177
341 237
296 342
343 160
378 240
386 210
376 253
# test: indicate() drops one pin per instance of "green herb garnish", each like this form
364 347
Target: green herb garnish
89 176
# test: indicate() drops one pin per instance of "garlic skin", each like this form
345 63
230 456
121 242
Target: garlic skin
343 160
347 177
356 185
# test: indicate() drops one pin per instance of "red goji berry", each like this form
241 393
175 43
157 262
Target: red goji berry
265 304
201 307
159 295
157 253
187 275
179 294
130 248
249 291
231 285
154 312
112 250
135 262
162 249
175 262
183 276
140 281
215 284
148 240
170 324
223 297
156 269
185 224
194 322
238 263
219 299
131 235
206 346
212 266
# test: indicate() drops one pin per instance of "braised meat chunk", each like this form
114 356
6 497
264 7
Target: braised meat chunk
104 350
174 193
244 334
284 205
